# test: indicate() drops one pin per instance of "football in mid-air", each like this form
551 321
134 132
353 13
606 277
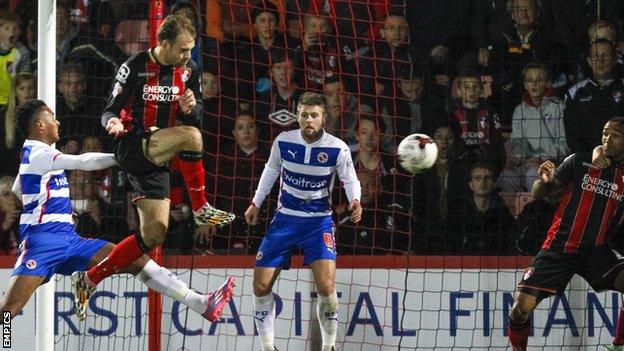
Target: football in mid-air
417 153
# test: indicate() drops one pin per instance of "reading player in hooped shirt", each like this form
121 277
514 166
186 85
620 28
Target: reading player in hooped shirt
588 213
49 242
153 90
307 160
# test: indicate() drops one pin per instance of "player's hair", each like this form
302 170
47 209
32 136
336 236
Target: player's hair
313 99
617 119
536 65
173 26
6 183
26 113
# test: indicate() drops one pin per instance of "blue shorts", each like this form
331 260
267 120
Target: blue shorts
44 254
314 235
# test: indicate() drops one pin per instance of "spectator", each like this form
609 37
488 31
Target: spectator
593 101
513 46
385 196
387 57
538 132
12 61
342 108
94 49
275 108
256 53
324 54
483 220
10 139
94 218
237 171
431 226
189 10
436 28
565 23
606 30
417 104
66 32
78 113
480 134
220 107
10 210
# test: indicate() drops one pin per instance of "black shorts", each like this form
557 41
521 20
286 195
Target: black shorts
148 180
550 272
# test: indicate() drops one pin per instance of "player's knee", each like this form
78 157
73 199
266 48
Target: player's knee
325 289
261 288
519 312
154 234
192 138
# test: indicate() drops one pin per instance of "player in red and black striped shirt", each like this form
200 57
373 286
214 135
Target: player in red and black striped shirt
576 243
155 89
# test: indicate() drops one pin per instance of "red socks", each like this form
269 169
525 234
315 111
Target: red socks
192 170
519 335
122 255
619 329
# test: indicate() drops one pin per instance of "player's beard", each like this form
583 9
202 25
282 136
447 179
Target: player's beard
310 135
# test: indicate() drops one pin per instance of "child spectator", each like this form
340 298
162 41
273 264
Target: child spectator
24 88
537 131
480 133
12 61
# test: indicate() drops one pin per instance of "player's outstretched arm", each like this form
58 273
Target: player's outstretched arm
546 183
90 161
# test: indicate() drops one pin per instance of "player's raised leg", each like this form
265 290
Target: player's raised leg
264 305
186 142
160 280
327 305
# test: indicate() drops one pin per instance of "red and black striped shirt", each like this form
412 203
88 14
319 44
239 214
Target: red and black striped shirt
146 93
590 206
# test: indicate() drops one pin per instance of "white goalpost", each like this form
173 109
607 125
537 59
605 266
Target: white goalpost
46 91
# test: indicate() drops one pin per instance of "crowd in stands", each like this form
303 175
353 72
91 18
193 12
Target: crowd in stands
500 85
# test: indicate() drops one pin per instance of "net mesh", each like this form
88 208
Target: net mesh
439 279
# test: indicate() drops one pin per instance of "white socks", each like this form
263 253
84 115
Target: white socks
327 314
160 279
264 317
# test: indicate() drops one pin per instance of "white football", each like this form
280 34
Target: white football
417 153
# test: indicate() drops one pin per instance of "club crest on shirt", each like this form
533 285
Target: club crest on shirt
31 264
259 255
322 157
528 272
329 240
185 75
